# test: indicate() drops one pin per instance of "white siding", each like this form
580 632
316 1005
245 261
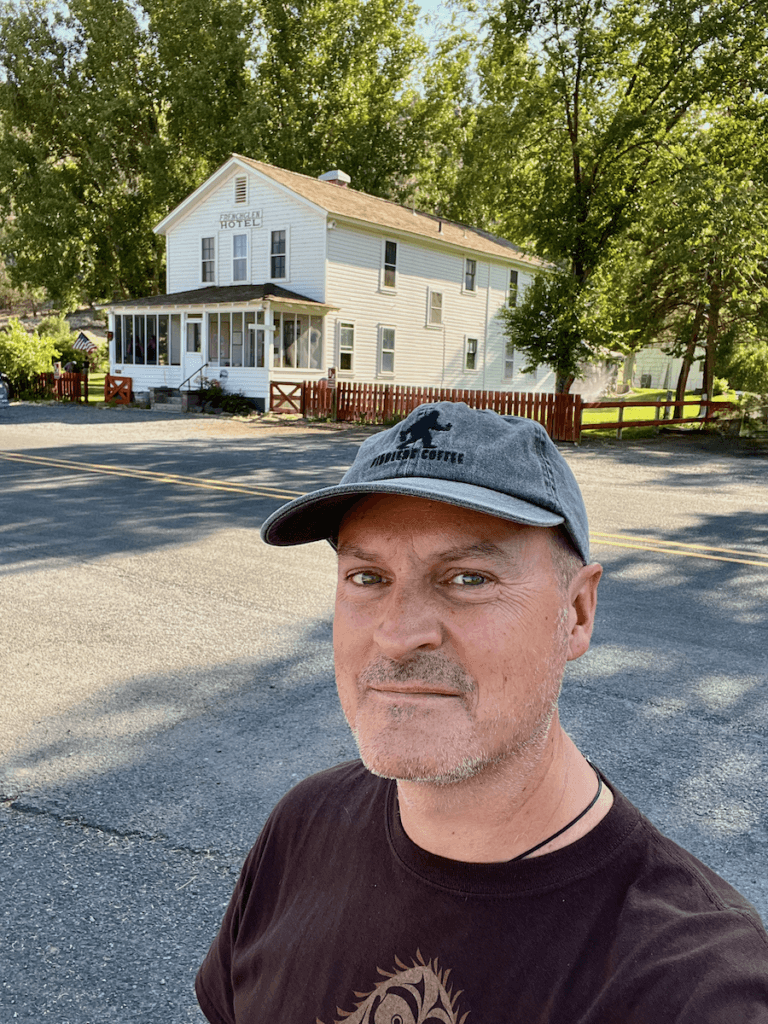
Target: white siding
306 229
424 355
145 377
664 369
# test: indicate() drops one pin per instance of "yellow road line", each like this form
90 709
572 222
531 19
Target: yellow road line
614 540
597 535
262 491
677 551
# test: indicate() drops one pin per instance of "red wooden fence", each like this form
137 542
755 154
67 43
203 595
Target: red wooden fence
71 387
388 403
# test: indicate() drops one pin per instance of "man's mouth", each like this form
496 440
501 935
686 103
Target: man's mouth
423 675
413 691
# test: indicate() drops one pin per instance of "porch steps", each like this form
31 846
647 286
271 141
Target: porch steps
165 399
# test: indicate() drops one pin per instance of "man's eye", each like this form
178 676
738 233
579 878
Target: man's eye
365 578
468 579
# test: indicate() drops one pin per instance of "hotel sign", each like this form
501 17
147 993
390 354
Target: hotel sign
241 219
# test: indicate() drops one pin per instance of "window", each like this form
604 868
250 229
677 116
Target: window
470 275
387 360
151 336
346 346
509 360
254 339
298 341
390 264
470 353
142 340
128 339
138 339
240 257
225 339
512 297
175 339
237 339
435 312
162 339
278 255
241 189
194 334
209 261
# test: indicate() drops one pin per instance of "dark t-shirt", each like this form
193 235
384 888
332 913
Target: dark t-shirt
338 916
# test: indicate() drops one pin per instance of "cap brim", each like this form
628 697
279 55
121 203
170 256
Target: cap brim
317 515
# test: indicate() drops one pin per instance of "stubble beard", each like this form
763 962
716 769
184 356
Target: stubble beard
404 745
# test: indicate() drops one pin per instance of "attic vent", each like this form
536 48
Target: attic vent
241 190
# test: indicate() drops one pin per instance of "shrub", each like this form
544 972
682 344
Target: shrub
237 404
23 356
213 396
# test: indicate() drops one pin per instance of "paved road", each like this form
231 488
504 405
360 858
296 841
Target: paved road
165 677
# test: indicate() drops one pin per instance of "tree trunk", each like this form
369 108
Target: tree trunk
713 329
690 352
563 382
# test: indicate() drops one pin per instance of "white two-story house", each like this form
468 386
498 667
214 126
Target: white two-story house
273 275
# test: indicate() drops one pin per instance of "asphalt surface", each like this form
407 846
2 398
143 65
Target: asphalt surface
165 677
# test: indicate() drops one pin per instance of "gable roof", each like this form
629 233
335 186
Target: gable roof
351 205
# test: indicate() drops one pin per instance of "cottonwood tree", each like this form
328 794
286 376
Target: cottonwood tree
695 265
112 111
579 97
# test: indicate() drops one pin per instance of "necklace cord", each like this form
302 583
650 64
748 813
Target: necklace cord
570 824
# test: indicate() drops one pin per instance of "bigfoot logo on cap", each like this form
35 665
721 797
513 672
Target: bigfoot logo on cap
420 429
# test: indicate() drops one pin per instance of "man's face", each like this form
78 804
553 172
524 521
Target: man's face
451 635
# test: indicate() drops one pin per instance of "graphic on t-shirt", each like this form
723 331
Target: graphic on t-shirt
422 429
412 995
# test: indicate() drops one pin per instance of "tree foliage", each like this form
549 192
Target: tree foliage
111 112
698 256
580 100
560 324
747 367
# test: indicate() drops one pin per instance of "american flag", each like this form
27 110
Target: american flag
85 343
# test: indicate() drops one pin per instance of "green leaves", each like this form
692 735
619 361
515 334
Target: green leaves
23 356
588 106
112 112
562 324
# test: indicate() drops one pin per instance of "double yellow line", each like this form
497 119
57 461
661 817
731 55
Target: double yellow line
150 475
673 547
614 540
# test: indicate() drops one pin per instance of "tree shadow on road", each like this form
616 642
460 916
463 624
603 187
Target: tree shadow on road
71 514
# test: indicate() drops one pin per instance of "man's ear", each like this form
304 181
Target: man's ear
582 603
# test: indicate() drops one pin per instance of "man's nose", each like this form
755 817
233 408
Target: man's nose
409 622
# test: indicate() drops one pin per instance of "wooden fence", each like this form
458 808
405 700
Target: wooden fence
389 403
67 387
705 410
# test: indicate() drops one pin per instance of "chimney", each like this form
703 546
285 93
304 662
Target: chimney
335 178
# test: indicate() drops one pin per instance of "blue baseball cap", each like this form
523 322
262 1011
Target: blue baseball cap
503 466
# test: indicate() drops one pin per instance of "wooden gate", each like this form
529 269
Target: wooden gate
117 389
286 397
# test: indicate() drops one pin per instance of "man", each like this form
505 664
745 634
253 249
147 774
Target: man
475 867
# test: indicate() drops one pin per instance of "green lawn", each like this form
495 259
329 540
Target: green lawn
96 387
634 413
